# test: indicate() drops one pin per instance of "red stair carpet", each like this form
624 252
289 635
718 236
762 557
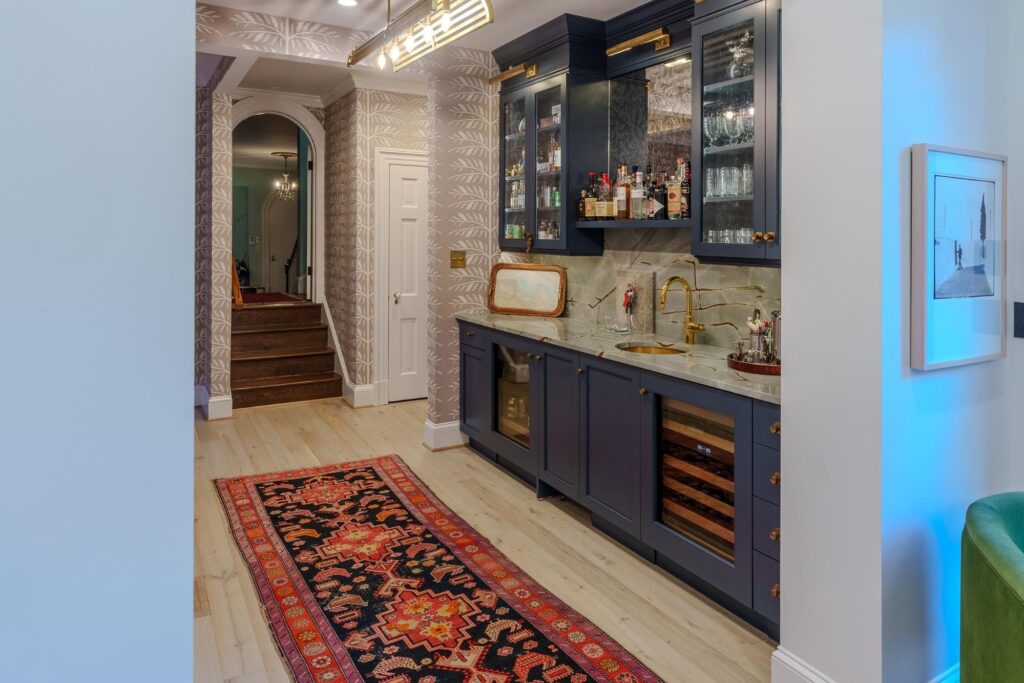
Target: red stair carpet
365 575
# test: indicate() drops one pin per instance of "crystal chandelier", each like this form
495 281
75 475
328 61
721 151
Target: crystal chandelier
285 186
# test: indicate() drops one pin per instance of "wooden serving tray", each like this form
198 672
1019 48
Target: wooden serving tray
755 368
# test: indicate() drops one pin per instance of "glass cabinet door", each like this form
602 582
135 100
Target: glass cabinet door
514 162
697 475
549 199
730 134
512 399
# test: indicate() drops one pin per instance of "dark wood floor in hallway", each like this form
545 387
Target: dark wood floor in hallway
670 628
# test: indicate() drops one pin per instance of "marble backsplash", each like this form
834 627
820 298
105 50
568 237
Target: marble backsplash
724 295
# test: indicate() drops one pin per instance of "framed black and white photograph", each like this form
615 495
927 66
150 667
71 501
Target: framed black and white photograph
958 262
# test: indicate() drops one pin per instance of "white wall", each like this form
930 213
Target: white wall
949 71
97 237
831 288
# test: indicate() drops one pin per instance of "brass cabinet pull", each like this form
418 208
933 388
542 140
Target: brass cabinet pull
529 69
775 591
775 479
775 534
579 371
643 392
769 237
775 428
471 333
757 237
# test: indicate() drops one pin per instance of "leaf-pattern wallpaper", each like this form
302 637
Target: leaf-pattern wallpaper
462 144
261 32
356 126
204 160
220 249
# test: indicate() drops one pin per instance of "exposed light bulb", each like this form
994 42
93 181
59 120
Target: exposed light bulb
428 34
729 115
410 43
446 21
382 60
395 52
347 3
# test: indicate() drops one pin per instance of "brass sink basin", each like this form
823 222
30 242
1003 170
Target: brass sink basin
652 349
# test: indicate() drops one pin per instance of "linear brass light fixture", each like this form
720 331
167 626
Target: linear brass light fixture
659 37
422 28
512 72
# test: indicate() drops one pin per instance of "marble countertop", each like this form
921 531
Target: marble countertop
700 364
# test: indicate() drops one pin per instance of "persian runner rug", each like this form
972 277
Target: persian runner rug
365 576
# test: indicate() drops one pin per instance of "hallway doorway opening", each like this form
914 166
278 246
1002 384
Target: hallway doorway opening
272 209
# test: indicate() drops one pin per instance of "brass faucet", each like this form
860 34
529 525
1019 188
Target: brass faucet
690 326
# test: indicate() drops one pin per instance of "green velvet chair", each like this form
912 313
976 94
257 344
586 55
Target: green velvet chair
992 591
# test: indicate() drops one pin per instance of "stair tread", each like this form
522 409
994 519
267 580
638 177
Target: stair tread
282 353
285 380
277 327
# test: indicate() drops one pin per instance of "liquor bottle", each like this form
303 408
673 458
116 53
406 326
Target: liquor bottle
622 192
555 155
638 199
674 191
581 207
660 200
683 169
591 211
605 204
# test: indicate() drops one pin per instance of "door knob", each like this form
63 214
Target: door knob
757 237
769 237
396 297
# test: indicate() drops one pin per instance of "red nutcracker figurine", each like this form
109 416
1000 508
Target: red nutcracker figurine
629 303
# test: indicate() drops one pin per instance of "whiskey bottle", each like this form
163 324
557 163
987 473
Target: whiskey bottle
591 201
683 172
674 192
581 207
602 198
659 200
622 192
638 197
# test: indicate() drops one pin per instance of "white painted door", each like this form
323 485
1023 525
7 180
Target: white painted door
407 275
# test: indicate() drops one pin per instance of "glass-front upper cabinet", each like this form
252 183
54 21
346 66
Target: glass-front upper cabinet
548 214
735 179
513 169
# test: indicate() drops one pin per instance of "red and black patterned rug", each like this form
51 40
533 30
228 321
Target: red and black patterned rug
365 575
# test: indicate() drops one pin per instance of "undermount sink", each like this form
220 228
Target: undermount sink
652 349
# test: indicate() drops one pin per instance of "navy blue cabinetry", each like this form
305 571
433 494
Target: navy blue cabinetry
558 432
611 427
735 186
475 380
696 486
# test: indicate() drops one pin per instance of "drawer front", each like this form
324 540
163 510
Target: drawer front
766 528
471 335
766 587
767 474
767 424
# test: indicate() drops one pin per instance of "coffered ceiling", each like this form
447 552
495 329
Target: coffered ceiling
512 17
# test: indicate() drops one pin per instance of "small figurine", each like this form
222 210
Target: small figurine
629 303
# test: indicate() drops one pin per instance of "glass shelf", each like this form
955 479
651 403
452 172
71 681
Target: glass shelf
726 149
723 85
729 198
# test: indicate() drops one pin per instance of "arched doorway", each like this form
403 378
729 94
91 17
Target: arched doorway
271 209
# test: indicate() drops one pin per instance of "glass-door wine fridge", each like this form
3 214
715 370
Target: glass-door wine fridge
516 367
697 481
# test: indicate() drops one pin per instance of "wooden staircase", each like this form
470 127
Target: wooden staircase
279 354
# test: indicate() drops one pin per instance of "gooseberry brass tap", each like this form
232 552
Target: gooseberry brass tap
690 326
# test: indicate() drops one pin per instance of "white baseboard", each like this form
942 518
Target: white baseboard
950 675
218 408
360 395
202 397
788 668
437 437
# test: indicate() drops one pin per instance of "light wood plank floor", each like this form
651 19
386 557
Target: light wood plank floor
673 630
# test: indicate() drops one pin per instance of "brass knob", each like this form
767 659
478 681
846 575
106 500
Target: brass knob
775 428
775 479
775 591
769 237
579 371
471 333
643 392
538 357
774 535
757 237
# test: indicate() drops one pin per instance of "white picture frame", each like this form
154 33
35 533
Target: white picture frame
958 257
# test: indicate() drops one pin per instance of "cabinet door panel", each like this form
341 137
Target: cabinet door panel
767 474
560 425
766 586
611 474
696 480
515 369
767 533
476 387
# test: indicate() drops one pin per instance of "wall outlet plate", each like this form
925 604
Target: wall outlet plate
458 258
1018 319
